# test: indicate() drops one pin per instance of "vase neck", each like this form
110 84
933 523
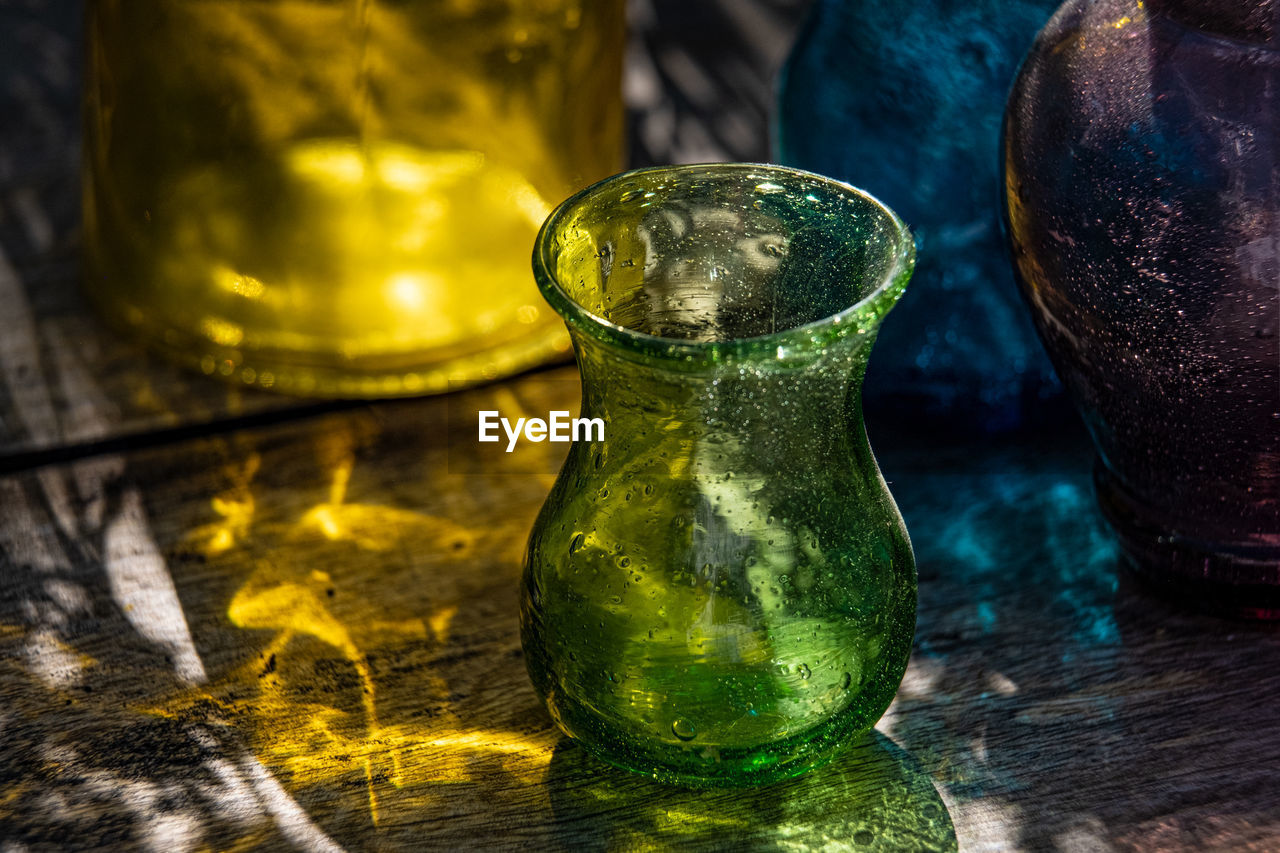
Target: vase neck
811 405
1251 21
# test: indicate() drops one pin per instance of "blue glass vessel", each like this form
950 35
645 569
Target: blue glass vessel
905 99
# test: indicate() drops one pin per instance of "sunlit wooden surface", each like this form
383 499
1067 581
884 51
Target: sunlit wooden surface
232 621
307 632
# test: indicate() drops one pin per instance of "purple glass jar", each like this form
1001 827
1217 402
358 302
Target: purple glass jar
1142 166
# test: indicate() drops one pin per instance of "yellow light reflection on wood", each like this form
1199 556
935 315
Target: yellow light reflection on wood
309 721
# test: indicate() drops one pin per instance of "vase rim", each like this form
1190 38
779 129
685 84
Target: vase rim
857 318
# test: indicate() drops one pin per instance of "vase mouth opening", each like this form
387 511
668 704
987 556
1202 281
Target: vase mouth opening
703 262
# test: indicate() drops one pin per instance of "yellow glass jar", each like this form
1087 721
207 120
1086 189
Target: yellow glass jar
340 197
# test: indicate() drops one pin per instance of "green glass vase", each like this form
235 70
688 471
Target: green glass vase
720 591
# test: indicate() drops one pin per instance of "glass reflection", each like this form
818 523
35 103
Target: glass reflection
874 797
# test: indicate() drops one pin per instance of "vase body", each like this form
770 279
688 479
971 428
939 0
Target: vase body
721 591
337 198
1142 159
905 99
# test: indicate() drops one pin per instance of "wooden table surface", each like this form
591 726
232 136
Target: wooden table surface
234 621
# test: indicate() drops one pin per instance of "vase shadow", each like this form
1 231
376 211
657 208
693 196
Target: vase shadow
874 796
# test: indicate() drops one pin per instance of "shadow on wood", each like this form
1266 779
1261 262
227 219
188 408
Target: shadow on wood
1059 704
873 797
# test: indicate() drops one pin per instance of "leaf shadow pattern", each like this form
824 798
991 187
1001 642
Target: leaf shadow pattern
84 765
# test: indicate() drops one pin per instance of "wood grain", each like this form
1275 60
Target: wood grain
306 635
